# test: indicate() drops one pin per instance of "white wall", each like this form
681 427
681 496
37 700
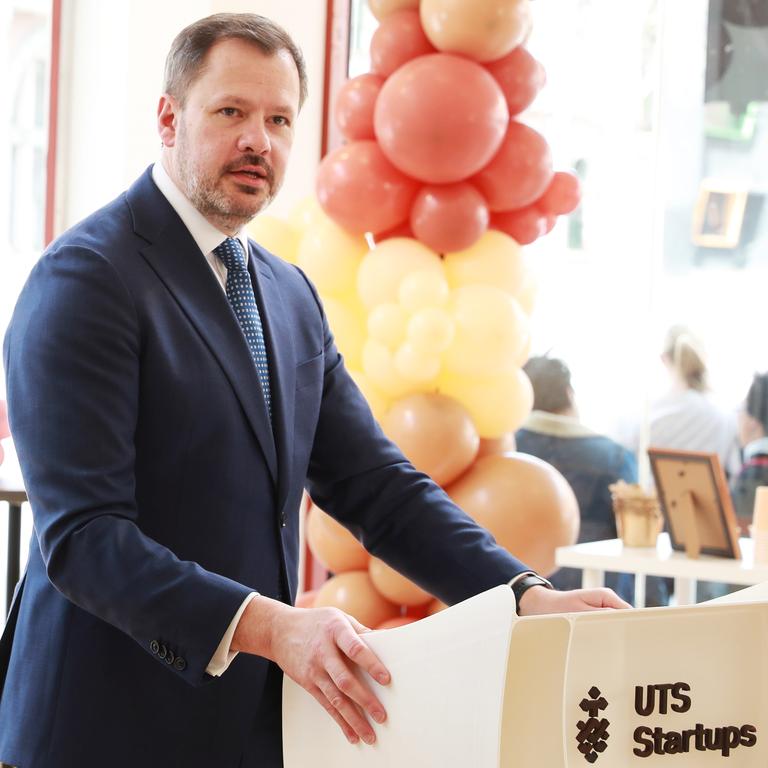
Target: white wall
111 77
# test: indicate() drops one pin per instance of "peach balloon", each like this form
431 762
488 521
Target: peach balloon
394 586
435 607
483 30
395 623
524 502
354 593
355 104
499 446
332 544
435 432
398 39
307 599
382 8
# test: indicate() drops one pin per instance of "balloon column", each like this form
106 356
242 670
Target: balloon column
414 243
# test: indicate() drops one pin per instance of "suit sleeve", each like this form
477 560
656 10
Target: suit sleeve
399 514
72 360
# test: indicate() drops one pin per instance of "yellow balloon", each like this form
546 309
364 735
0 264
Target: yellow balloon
377 402
276 235
387 323
414 365
379 367
331 257
497 404
483 30
384 268
492 332
424 288
495 259
347 322
431 330
306 213
528 293
382 8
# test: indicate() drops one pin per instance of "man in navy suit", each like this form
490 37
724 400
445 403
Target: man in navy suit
168 408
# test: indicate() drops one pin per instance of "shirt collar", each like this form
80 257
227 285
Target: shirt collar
203 232
556 424
757 447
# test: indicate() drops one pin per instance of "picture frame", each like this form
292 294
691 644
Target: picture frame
694 499
718 215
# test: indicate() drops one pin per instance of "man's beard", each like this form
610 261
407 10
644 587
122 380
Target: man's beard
205 194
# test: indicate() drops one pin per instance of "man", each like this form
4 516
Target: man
172 388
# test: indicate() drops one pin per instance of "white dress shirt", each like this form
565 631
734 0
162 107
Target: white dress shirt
207 238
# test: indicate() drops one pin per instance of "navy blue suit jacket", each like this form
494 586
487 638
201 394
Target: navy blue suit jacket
161 495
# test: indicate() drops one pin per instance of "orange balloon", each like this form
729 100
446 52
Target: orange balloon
449 217
440 118
399 38
307 599
483 30
394 586
354 593
524 502
435 432
382 8
395 623
361 190
354 106
498 446
332 544
519 172
520 76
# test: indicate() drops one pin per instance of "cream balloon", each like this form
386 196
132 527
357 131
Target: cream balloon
379 367
423 288
415 365
331 257
394 586
377 401
347 322
277 236
495 259
384 268
483 30
388 323
382 8
431 330
306 213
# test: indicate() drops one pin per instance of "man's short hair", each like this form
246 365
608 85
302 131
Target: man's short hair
756 404
186 58
551 381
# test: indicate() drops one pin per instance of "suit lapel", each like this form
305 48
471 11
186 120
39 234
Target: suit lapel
282 362
174 256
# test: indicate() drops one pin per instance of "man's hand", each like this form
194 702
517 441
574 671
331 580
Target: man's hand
540 599
318 648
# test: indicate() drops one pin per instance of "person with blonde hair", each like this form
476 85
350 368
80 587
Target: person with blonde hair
686 417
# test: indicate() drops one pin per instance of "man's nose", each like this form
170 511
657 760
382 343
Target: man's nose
255 139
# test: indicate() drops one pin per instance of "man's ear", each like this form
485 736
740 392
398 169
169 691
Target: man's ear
167 116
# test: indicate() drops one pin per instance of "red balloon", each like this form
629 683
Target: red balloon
401 230
520 77
361 190
355 104
441 118
519 172
449 218
398 39
562 195
524 225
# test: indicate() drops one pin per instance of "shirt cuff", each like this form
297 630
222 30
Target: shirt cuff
223 656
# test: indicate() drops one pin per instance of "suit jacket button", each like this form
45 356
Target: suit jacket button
170 657
180 664
163 652
154 646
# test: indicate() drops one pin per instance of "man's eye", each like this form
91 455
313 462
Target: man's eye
280 120
228 111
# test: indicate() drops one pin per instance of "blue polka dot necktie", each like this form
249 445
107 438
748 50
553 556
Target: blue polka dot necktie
243 301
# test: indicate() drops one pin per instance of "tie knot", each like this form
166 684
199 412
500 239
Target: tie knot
231 254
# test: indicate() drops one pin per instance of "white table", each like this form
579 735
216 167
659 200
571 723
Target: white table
597 557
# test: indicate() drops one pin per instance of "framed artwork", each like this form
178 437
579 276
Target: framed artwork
694 499
718 215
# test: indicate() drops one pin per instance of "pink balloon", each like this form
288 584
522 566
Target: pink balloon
524 225
355 104
398 39
562 195
519 172
520 77
440 118
450 217
361 190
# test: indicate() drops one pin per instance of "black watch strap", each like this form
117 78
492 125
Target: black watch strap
522 585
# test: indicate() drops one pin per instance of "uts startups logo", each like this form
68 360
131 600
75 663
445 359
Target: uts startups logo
593 734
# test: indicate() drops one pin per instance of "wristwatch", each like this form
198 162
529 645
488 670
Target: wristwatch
524 583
